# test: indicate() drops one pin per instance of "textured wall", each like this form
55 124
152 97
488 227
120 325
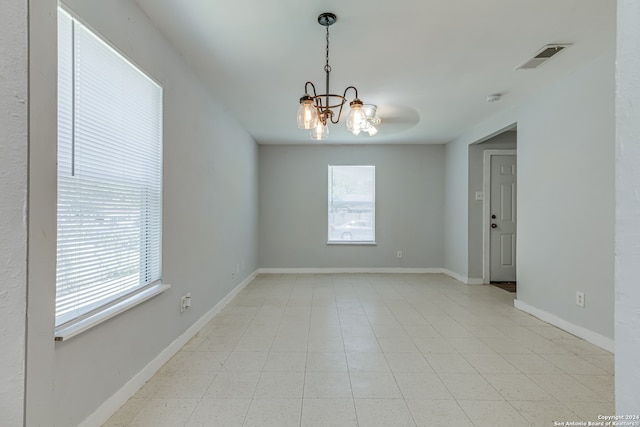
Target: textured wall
13 202
627 296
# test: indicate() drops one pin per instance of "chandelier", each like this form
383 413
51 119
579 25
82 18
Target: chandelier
316 111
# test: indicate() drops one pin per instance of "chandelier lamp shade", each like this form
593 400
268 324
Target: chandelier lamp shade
318 110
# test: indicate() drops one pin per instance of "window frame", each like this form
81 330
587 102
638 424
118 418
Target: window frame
361 242
70 326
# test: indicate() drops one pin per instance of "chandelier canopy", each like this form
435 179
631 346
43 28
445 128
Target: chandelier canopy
317 110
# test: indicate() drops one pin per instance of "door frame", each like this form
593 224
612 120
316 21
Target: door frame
486 207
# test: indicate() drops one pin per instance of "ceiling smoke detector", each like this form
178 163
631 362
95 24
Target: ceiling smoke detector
542 56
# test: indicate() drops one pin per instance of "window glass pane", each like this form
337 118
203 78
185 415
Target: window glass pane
109 174
351 204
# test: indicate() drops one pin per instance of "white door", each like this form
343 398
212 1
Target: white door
502 218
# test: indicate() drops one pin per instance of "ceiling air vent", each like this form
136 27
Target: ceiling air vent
542 56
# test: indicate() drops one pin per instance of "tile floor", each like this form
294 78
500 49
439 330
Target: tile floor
375 350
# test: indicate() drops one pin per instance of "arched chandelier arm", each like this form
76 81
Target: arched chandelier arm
306 89
347 90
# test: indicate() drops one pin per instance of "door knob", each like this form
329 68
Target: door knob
493 225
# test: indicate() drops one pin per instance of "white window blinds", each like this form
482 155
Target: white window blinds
109 174
352 204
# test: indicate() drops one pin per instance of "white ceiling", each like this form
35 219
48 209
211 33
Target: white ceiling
428 64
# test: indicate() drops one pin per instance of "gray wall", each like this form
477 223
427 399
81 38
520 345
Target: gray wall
565 197
13 200
627 305
209 213
293 206
456 223
503 141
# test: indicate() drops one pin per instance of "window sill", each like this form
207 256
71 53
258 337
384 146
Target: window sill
352 242
70 329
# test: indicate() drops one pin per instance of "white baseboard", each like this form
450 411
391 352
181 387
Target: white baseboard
464 279
586 334
119 398
346 270
392 270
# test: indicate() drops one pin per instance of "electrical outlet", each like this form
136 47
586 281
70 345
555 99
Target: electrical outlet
185 302
399 254
580 299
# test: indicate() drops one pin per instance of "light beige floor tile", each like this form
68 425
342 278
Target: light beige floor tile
280 385
290 343
470 387
325 344
233 385
194 343
361 345
602 384
185 387
328 412
405 346
151 387
544 413
532 364
491 363
438 413
582 347
374 385
566 389
517 387
422 386
254 343
219 412
286 361
203 362
367 362
603 361
325 385
126 413
218 344
434 345
164 413
408 362
175 363
450 363
492 413
244 361
505 345
572 364
589 411
470 345
402 344
453 331
326 362
421 331
274 413
383 413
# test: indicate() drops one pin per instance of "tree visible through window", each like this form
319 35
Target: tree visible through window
351 204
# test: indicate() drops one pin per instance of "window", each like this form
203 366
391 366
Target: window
109 176
352 204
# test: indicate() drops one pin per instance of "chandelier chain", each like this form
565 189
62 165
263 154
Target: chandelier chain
327 67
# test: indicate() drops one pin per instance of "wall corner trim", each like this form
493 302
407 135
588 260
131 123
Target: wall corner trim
464 279
586 334
119 398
